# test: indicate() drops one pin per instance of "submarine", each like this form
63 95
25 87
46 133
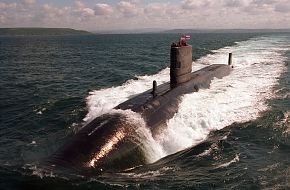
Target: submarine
111 142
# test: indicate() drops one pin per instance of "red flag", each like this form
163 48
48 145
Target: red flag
185 37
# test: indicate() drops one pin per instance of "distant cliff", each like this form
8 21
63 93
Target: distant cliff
192 31
40 32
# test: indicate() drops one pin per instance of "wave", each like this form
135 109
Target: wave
234 160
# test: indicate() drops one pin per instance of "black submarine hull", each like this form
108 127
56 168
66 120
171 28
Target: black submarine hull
157 110
110 142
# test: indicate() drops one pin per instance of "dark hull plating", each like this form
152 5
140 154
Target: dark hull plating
110 142
157 110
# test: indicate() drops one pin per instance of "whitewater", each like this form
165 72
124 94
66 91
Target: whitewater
239 97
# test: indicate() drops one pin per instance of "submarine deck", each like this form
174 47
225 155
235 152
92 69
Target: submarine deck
145 103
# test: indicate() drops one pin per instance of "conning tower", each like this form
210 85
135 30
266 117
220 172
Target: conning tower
180 63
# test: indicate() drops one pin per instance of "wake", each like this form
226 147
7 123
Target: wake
239 97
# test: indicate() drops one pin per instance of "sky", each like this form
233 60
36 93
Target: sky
96 15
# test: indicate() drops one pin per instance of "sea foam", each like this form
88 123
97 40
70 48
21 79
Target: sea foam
239 97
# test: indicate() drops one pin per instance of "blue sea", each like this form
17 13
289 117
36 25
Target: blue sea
234 135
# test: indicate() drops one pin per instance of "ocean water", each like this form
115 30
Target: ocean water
234 135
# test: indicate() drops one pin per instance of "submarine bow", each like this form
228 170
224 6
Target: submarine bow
109 142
